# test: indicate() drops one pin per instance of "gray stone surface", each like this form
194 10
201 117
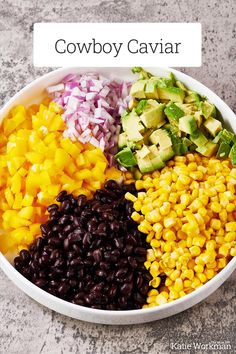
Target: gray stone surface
25 326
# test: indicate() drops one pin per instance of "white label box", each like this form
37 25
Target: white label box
117 44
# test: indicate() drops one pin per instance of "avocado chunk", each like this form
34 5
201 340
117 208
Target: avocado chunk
153 151
173 113
151 118
225 136
137 174
224 150
213 126
157 163
192 97
122 140
151 89
207 150
181 85
132 103
141 106
132 126
126 158
208 109
174 94
143 152
188 124
199 138
161 137
232 154
167 154
138 89
144 164
199 118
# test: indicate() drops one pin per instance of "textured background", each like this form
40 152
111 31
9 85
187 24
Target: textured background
25 326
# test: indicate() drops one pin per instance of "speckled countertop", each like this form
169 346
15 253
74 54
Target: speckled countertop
25 326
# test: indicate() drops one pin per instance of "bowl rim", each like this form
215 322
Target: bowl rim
220 277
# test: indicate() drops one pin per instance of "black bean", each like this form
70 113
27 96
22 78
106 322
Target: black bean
61 196
40 282
97 255
90 252
25 257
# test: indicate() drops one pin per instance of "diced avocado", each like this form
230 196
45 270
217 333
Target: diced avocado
132 103
199 118
187 108
153 151
207 150
134 135
186 142
188 124
152 103
213 126
173 113
141 106
225 136
166 154
174 94
181 85
122 140
232 154
161 137
179 148
144 164
152 117
135 145
224 150
151 89
137 174
157 163
198 138
138 89
133 127
143 152
126 158
192 97
143 74
208 109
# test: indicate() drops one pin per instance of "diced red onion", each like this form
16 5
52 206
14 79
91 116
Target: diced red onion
92 106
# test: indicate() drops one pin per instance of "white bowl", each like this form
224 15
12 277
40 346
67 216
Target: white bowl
33 93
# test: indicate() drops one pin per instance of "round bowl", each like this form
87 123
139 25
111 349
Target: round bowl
33 93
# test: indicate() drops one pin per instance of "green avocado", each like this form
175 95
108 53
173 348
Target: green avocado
208 109
232 154
225 136
151 89
138 89
224 150
174 94
126 158
198 138
144 164
207 150
213 126
122 140
173 113
167 154
151 118
161 137
192 97
157 163
142 153
141 106
188 124
133 127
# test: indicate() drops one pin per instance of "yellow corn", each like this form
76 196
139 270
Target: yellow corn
188 212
